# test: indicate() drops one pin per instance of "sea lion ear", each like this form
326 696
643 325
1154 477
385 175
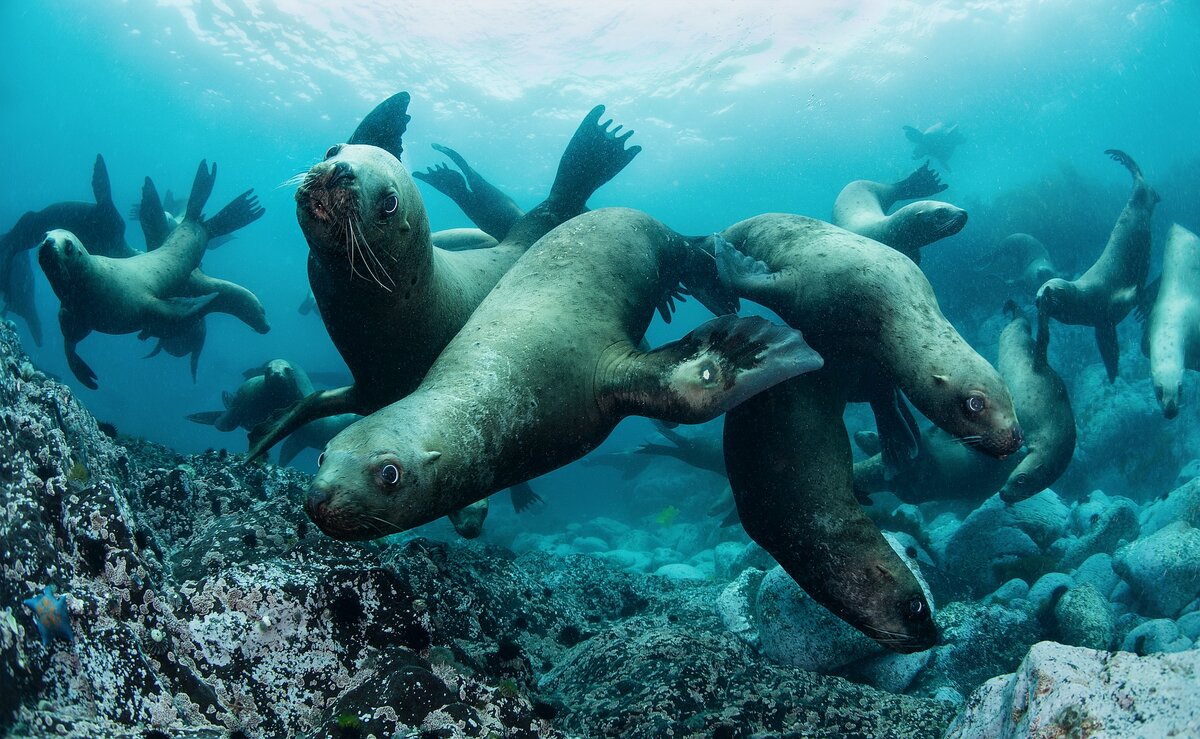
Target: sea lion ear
432 456
942 379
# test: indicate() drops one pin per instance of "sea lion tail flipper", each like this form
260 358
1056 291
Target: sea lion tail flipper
899 435
158 346
922 183
1110 352
80 368
593 157
150 214
208 418
202 187
384 126
320 404
307 305
101 186
523 497
242 211
712 369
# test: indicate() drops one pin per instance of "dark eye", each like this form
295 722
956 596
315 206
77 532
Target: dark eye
390 204
975 404
1021 479
332 151
916 606
389 474
70 246
321 459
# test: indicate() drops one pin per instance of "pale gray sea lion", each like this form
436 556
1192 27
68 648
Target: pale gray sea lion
141 292
1111 287
372 265
871 313
542 372
937 141
1173 329
862 207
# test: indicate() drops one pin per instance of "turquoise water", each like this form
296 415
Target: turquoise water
740 109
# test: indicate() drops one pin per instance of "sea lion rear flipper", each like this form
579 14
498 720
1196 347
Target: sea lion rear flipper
1106 339
208 418
320 404
593 157
150 214
710 370
202 186
80 368
384 126
101 187
1147 297
291 447
492 211
913 134
899 435
922 183
242 211
523 497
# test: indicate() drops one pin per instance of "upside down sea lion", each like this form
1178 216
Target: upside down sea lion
937 141
141 292
371 263
870 312
1173 330
862 207
543 371
1110 288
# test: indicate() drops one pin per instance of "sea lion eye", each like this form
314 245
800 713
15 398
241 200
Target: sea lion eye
975 404
69 246
1021 479
916 606
321 459
389 474
390 204
332 151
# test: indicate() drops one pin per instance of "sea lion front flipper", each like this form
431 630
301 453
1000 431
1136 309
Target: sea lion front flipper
292 446
241 211
320 404
593 157
523 497
1110 351
150 214
208 418
384 126
922 183
708 371
899 435
913 134
79 368
446 181
485 204
1147 297
101 186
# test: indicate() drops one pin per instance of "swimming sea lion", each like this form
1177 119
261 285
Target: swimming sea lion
487 207
265 390
99 224
363 217
542 372
142 292
1020 261
937 141
871 313
1173 328
944 469
1111 287
862 207
1042 405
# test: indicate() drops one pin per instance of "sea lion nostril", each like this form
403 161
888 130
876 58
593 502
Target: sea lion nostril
342 175
317 502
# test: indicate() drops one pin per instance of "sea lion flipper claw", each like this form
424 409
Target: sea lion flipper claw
84 373
241 211
922 183
523 497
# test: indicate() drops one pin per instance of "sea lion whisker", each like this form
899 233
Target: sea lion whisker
350 244
366 246
295 179
366 249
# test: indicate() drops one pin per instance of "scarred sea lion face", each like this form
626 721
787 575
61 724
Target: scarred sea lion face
360 211
61 256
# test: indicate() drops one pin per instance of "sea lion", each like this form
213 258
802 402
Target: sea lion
362 215
944 469
488 208
862 207
99 224
1111 287
264 390
142 292
1020 261
542 372
1042 405
871 313
1172 337
937 141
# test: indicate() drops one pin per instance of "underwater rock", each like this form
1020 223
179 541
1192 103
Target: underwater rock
1181 504
1084 618
979 641
1072 691
1156 635
679 571
1010 592
735 605
1097 571
1102 523
991 546
1162 569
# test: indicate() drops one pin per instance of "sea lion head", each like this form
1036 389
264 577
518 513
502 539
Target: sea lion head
1168 387
928 221
361 212
894 611
468 521
62 255
1054 296
974 405
374 480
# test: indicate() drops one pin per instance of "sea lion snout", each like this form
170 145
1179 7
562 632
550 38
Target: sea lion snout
316 505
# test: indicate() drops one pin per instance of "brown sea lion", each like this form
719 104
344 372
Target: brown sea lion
542 372
1110 288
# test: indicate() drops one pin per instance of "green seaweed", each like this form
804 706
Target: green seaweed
347 721
667 516
508 688
78 472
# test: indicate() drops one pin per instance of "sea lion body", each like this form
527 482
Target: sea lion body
1105 294
543 371
1043 405
944 469
872 315
938 141
861 207
265 390
1020 260
1173 328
